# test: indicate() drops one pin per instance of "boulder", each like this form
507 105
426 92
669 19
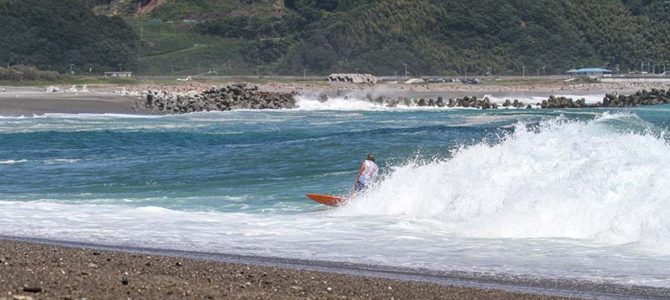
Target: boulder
235 96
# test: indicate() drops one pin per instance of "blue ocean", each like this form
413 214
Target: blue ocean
561 194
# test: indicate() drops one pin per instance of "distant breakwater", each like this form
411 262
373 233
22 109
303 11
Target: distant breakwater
231 97
240 96
640 98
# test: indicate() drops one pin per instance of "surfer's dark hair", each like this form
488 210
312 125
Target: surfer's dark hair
371 157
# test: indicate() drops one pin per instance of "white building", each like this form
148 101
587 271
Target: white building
118 74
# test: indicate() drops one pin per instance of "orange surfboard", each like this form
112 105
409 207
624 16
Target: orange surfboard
326 199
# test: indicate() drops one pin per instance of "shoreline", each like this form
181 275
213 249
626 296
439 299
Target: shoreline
21 101
125 99
345 277
37 270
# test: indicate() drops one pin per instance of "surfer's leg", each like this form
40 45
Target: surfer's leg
358 187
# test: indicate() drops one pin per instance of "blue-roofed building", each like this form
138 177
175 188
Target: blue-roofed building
589 72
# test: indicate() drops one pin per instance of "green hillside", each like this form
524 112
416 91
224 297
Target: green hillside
443 37
63 35
426 36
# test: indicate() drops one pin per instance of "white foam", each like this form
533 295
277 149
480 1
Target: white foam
309 103
590 98
580 180
61 160
11 161
339 103
405 241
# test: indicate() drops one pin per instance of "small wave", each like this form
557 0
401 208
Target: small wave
11 162
61 160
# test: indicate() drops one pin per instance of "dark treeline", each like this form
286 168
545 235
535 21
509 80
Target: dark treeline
55 35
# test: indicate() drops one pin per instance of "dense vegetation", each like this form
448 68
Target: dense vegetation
379 36
455 36
431 36
63 35
27 73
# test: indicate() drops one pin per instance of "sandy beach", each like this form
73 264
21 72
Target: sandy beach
43 271
29 101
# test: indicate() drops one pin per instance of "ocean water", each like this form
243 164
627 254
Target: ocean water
560 194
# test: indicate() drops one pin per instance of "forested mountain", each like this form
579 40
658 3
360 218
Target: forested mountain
377 36
56 35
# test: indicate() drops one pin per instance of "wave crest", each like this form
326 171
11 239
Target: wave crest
591 180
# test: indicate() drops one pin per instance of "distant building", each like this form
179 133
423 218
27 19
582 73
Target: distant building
597 72
118 74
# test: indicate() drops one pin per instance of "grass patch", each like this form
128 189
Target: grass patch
177 49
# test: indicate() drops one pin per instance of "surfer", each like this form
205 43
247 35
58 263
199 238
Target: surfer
367 174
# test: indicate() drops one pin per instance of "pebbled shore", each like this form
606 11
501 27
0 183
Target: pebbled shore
42 271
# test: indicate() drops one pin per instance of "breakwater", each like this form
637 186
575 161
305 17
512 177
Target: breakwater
640 98
231 97
241 96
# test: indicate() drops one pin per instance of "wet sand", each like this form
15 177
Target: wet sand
34 101
44 271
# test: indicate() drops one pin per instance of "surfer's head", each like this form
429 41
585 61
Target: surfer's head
371 157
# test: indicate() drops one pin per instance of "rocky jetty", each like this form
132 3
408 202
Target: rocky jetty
240 96
563 102
640 98
353 78
643 97
515 104
484 103
231 97
471 102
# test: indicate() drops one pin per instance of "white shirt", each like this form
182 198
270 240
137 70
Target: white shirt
369 174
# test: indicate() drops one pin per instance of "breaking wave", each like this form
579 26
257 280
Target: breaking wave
593 180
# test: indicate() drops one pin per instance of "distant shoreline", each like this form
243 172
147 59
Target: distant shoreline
124 99
29 101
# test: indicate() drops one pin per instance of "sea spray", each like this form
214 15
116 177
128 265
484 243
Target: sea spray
312 102
561 179
308 102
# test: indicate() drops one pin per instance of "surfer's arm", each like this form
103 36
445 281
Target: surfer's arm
360 171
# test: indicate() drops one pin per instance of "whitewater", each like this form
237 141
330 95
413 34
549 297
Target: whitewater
550 194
